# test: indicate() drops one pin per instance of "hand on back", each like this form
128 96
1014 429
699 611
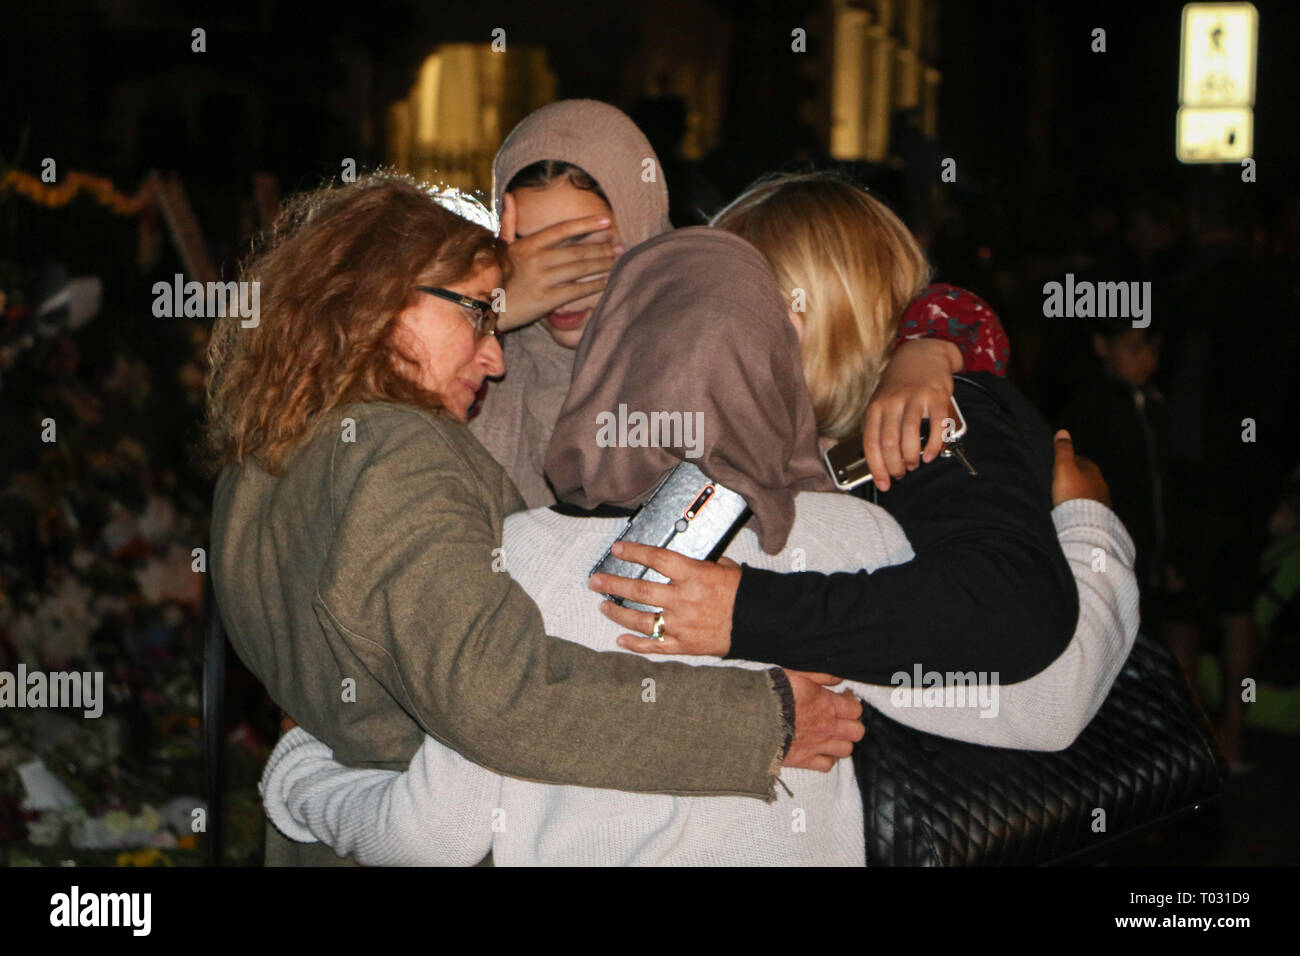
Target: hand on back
826 724
1074 476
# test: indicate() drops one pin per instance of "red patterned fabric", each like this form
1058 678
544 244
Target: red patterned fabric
955 315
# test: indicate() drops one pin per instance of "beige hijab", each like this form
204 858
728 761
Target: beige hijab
692 322
604 141
519 412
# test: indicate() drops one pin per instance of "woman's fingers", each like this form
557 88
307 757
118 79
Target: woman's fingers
891 437
891 427
1064 471
565 273
824 731
668 563
1088 470
839 743
1074 476
839 748
915 384
671 643
644 645
871 447
631 589
574 291
911 436
545 263
588 256
697 602
568 229
601 236
1064 447
849 732
848 707
547 299
642 621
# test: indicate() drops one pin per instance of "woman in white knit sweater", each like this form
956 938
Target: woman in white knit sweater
709 309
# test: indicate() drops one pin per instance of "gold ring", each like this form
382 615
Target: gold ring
658 633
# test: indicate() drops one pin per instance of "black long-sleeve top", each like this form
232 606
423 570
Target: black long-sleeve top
989 588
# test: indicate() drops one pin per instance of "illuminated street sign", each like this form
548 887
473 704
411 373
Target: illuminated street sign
1218 61
1216 87
1223 134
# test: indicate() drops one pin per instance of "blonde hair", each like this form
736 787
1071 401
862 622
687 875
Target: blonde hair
858 268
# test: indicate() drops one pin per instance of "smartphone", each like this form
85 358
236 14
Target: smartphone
689 513
847 461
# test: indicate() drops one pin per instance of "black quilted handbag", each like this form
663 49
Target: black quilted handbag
1147 757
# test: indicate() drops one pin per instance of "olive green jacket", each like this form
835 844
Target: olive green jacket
362 586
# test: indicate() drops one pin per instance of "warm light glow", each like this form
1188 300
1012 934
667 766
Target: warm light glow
847 86
1224 134
464 100
1218 61
1216 86
879 64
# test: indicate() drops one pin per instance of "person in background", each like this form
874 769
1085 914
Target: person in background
1232 435
1119 420
1277 615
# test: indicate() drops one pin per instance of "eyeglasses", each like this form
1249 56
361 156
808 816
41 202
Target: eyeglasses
485 317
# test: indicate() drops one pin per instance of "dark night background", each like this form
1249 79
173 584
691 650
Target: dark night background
1060 153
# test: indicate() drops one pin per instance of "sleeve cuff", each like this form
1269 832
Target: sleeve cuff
280 775
781 684
1087 513
755 618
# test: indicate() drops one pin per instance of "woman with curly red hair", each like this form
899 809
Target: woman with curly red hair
357 528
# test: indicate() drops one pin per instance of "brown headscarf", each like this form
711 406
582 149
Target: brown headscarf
517 417
604 141
692 321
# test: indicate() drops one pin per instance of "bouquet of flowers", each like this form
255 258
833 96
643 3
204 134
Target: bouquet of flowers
102 531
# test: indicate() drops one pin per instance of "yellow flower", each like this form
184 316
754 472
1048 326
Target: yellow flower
149 857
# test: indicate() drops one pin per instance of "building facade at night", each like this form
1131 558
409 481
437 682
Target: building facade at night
862 61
